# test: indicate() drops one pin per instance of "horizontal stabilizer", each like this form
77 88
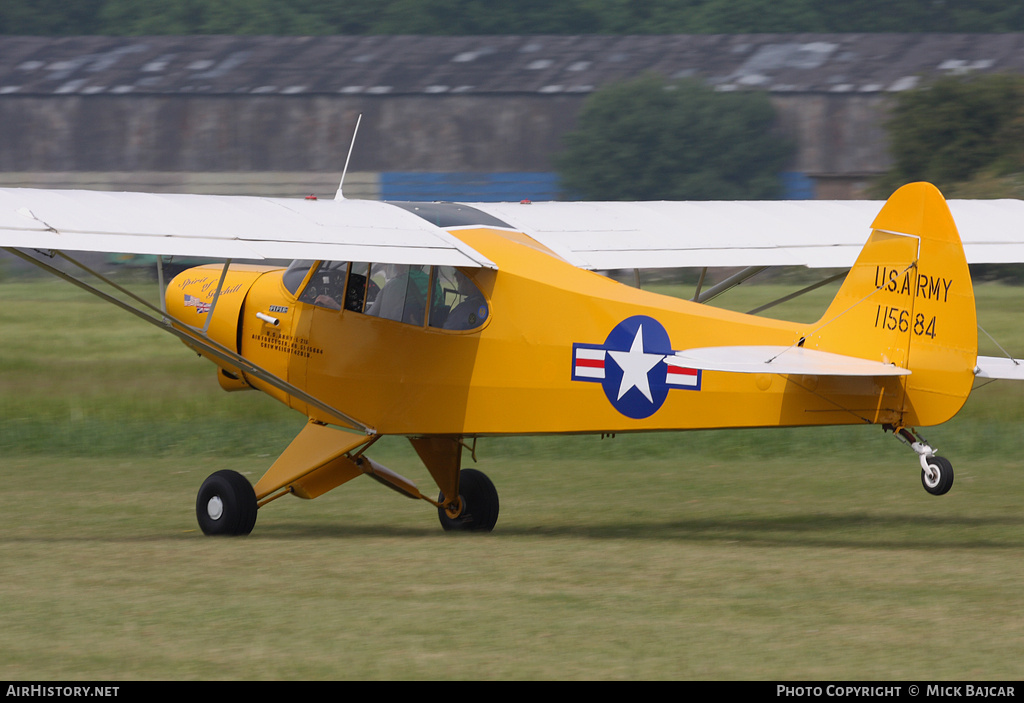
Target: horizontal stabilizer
783 360
1000 367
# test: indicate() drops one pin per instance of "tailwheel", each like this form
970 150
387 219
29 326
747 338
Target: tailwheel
936 471
226 504
477 507
937 477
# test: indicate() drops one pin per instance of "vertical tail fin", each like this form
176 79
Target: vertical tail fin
909 301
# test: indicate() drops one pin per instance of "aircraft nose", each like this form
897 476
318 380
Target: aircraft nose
210 298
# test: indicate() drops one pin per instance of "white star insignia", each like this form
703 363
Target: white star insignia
635 365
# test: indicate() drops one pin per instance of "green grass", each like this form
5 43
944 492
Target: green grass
788 554
599 569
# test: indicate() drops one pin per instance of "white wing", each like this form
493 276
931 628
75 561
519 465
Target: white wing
814 233
593 235
226 227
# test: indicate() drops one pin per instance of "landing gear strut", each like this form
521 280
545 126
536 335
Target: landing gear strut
936 471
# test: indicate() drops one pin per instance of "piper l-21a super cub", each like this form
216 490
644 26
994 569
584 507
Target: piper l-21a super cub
445 322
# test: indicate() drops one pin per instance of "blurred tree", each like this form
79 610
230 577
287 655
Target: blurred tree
953 131
464 17
50 17
654 140
283 17
120 17
966 137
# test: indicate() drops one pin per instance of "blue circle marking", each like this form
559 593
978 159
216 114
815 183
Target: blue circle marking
636 375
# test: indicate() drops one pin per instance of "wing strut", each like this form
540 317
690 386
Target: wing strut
700 283
797 294
160 284
216 297
732 281
190 335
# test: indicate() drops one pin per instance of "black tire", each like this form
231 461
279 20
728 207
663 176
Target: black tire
226 504
941 484
479 504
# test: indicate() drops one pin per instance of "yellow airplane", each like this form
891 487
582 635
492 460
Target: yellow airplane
445 322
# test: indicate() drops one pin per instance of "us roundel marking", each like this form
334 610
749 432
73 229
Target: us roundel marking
635 366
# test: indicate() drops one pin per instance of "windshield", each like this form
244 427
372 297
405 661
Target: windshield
295 274
326 285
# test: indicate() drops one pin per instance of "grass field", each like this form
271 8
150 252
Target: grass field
786 554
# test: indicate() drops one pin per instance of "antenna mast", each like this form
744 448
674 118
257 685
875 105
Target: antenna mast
338 195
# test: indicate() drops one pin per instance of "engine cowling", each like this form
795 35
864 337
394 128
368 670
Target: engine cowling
190 299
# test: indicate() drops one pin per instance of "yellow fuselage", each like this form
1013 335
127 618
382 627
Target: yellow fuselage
522 371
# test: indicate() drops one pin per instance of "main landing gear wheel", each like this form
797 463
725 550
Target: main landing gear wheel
478 500
226 504
940 479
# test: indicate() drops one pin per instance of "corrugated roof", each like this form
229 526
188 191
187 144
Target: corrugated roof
421 65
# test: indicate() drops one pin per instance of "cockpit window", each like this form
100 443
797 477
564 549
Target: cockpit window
403 292
442 297
459 304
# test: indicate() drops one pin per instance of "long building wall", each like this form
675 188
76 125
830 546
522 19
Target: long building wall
221 104
281 133
839 138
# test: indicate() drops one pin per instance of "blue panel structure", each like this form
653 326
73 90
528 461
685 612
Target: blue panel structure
468 186
797 185
481 187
